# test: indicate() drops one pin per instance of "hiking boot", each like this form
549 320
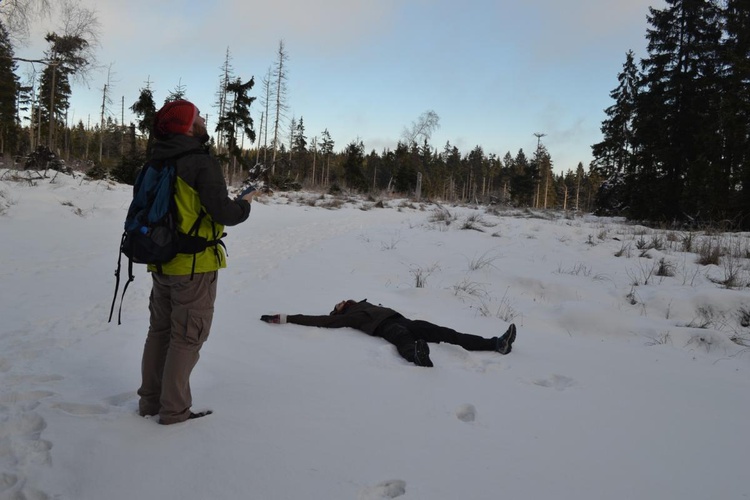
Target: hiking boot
191 416
505 343
199 414
422 353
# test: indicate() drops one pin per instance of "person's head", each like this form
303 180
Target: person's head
341 306
180 117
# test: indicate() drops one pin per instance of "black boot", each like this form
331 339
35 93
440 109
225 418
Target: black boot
422 353
505 343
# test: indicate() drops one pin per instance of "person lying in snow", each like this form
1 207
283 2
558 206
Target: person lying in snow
409 336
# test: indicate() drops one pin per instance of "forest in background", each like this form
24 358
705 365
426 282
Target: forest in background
675 146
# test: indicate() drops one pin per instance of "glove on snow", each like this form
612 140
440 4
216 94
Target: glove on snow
274 318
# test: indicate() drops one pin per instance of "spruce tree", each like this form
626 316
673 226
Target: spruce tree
677 112
66 56
523 180
237 118
9 89
353 163
614 155
145 109
735 107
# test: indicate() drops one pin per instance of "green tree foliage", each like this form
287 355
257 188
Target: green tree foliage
65 57
9 89
523 180
735 106
237 118
145 109
682 149
353 163
615 154
407 166
326 145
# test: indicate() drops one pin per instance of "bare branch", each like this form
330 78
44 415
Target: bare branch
20 14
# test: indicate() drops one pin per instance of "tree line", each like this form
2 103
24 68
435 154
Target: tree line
675 144
676 141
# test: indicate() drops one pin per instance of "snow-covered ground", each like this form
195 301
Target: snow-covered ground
622 384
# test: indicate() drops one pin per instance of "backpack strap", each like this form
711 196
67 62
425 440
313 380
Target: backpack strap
117 279
117 284
131 278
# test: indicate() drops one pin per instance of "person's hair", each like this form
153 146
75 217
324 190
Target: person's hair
343 309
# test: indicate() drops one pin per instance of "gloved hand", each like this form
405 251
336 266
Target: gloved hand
274 318
249 189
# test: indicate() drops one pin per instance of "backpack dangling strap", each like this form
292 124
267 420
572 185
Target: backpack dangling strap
125 288
117 279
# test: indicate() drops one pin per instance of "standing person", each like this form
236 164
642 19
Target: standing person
184 289
409 336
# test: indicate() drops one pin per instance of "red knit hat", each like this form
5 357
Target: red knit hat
175 117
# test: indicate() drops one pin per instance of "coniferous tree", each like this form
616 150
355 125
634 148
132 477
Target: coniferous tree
65 57
735 107
9 90
177 93
145 109
455 177
353 163
299 148
300 140
237 118
475 164
405 175
615 154
523 180
546 192
326 149
677 112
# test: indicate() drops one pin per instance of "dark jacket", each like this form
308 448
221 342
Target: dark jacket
200 195
362 316
203 173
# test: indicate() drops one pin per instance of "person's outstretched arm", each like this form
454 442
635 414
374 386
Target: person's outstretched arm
327 321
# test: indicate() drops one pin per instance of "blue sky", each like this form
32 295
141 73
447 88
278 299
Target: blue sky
495 72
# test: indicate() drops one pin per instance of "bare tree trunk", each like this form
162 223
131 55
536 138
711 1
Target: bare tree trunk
257 153
267 88
101 128
280 74
122 126
50 136
88 137
315 158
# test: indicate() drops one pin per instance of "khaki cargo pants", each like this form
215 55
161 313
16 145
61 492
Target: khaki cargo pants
181 312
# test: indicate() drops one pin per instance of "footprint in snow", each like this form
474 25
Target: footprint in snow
387 489
121 399
558 382
18 397
466 413
81 410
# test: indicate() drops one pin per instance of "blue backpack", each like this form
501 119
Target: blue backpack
151 234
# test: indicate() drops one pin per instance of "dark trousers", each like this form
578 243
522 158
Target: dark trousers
403 332
181 313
